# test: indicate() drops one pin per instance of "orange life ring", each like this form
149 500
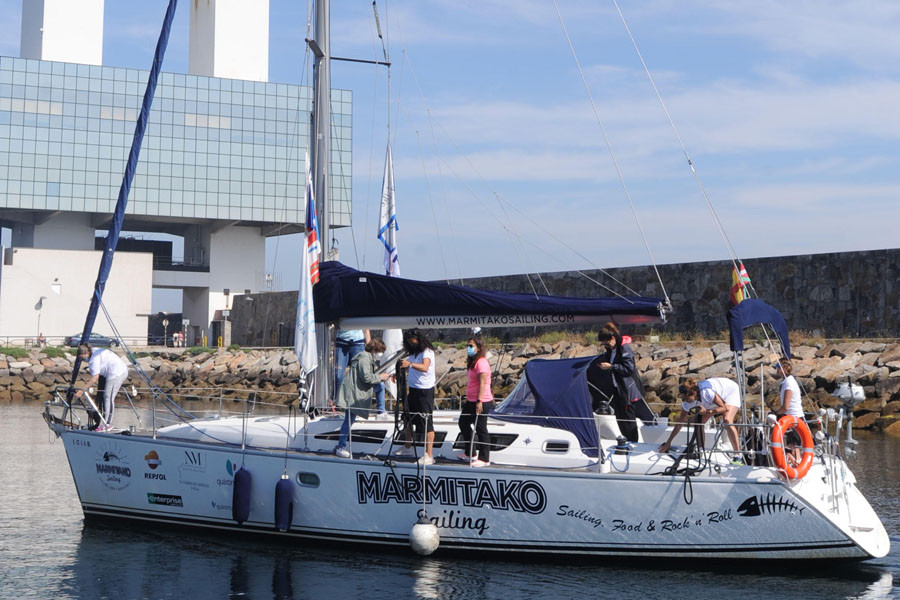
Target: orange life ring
776 446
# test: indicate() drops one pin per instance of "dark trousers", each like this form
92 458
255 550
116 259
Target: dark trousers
467 418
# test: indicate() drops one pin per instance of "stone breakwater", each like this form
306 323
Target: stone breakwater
271 375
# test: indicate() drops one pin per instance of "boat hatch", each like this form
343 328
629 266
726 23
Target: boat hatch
556 446
308 479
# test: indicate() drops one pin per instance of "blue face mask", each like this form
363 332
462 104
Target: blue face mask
470 350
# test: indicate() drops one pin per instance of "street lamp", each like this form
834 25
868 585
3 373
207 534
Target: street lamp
39 306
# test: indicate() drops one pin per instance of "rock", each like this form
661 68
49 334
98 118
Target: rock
722 369
804 352
867 347
887 388
846 349
651 378
866 421
890 354
893 429
891 408
721 351
825 351
19 364
701 359
883 423
871 405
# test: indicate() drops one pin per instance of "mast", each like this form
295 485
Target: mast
320 140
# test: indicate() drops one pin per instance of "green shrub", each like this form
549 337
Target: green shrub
57 352
234 348
195 350
14 351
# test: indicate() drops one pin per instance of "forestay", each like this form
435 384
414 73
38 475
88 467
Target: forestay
360 300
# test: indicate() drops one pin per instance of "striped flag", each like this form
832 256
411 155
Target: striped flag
312 227
305 329
739 280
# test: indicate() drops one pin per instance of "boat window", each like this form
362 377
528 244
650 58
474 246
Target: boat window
308 479
556 446
519 402
499 441
360 436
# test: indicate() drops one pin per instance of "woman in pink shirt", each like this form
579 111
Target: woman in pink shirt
478 404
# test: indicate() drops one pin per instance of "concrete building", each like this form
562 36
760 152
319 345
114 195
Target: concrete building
221 166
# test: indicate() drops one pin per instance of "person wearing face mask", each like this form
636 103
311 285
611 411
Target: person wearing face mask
478 404
613 381
421 391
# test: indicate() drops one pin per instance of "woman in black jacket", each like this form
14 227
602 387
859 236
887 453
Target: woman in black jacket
613 382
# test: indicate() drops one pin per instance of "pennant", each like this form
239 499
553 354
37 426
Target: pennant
387 233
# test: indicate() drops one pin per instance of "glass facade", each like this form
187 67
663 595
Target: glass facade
214 148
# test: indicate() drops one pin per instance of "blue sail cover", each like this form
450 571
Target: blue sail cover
360 300
753 312
554 393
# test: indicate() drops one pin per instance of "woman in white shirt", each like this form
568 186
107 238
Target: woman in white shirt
421 389
110 372
791 404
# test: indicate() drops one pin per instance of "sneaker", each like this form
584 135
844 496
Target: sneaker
103 428
425 460
342 452
464 456
479 463
737 461
404 451
383 416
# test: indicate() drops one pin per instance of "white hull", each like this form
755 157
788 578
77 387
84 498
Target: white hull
739 512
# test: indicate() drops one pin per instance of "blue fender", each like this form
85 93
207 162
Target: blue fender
284 504
240 500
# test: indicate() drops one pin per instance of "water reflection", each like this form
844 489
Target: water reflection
46 551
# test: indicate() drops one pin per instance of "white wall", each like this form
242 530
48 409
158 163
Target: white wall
66 279
65 231
237 257
63 30
230 38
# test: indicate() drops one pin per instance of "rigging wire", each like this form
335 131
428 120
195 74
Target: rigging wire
513 235
509 231
437 230
609 148
719 226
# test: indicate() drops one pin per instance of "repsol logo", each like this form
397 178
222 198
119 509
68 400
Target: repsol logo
155 476
516 495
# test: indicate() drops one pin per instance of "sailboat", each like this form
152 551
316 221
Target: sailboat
561 481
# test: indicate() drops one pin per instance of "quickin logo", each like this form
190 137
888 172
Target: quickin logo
113 467
231 468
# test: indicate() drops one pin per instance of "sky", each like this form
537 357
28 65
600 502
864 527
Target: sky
787 109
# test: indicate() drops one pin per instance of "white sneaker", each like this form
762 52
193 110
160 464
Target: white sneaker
383 416
404 451
342 452
479 463
425 460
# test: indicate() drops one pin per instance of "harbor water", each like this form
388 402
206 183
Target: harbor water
47 551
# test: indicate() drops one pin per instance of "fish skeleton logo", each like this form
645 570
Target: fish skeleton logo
152 459
754 507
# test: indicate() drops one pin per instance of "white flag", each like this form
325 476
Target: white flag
387 224
305 329
387 233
